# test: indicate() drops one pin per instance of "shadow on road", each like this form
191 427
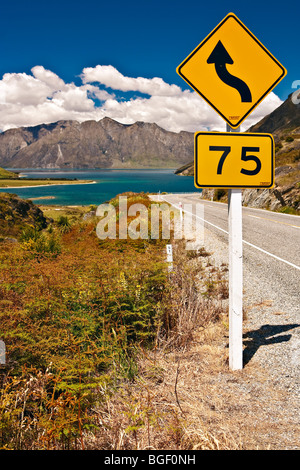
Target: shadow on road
264 337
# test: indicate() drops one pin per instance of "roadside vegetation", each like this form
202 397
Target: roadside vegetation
80 318
108 349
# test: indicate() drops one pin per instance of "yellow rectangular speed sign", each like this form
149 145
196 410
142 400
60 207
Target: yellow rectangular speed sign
233 160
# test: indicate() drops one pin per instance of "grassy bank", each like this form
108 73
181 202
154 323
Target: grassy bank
5 174
108 350
77 316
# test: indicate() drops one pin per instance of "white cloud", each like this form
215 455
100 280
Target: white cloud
110 77
184 112
22 89
266 107
43 97
74 99
49 78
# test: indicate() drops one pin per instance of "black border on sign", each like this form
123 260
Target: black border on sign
284 72
197 185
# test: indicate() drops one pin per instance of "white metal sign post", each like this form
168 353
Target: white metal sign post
235 276
233 72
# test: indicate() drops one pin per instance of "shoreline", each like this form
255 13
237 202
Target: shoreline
47 184
41 197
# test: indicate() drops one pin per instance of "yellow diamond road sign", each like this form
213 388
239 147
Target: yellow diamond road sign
232 70
234 160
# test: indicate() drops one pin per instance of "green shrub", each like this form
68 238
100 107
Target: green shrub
74 326
63 223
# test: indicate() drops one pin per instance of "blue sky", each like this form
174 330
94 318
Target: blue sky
47 46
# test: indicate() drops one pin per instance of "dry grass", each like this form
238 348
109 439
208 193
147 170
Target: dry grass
184 396
162 409
187 399
73 213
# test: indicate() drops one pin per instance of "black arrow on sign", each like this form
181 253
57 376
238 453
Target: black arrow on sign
220 58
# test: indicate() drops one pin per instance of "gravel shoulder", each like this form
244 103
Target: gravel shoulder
271 339
263 399
271 323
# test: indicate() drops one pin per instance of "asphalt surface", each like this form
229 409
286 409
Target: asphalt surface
271 250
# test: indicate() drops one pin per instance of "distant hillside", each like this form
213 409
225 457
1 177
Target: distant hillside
283 120
186 170
5 174
102 144
284 125
16 214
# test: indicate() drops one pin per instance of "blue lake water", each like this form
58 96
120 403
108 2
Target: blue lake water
108 183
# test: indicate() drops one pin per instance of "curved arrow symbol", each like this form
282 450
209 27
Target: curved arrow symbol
220 58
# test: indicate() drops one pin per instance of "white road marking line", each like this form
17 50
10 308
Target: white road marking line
273 256
244 241
274 221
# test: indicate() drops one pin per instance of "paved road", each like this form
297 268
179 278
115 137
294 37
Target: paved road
271 250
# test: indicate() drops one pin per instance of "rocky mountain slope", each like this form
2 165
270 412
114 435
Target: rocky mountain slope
283 120
90 144
284 124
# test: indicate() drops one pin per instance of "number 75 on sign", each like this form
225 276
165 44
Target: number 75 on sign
234 160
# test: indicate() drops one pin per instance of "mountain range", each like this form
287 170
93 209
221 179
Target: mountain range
110 144
95 144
